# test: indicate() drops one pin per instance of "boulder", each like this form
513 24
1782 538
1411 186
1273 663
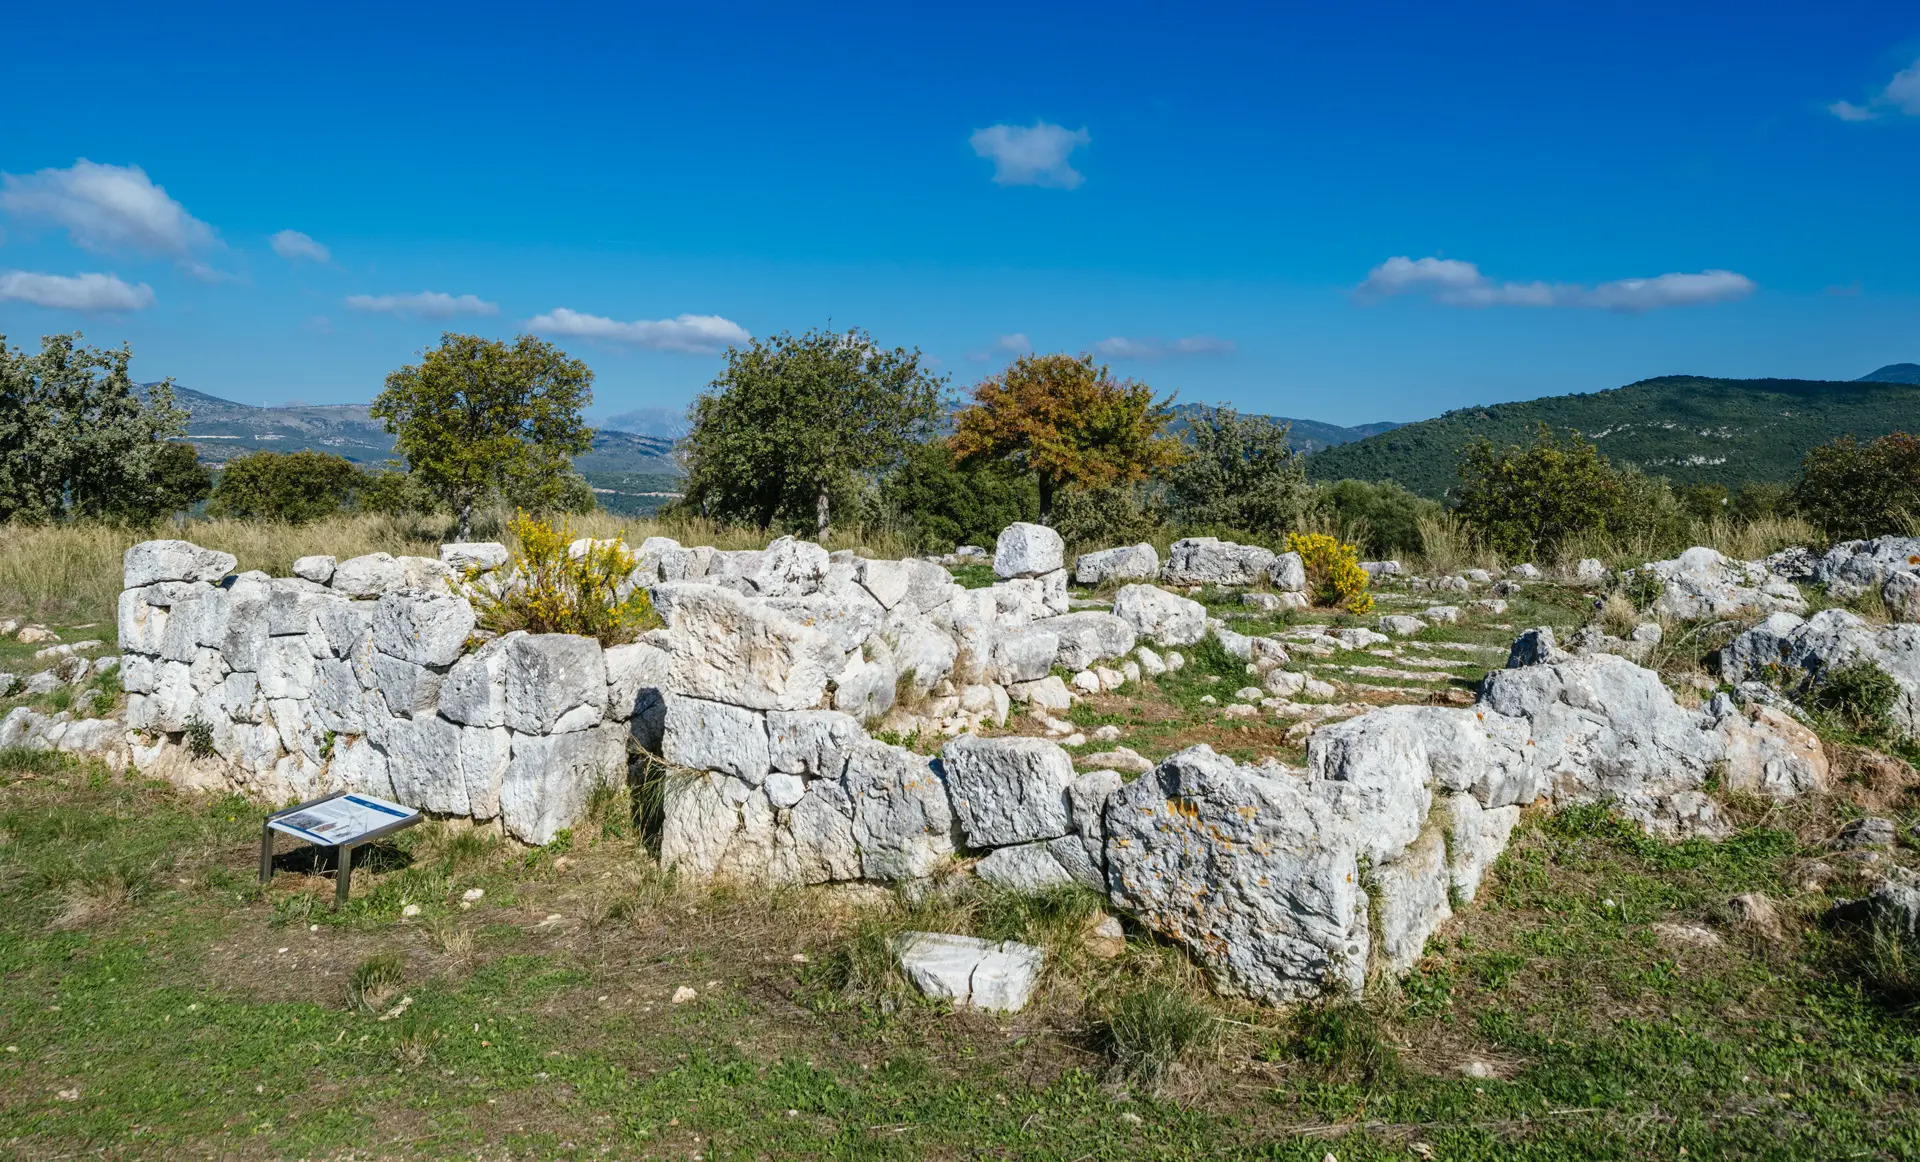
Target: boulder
550 779
811 742
1288 573
846 617
1901 593
555 683
1048 693
867 686
1401 625
1026 867
728 648
1534 647
902 823
1211 561
1027 550
636 677
464 557
1853 568
1163 618
369 575
1089 636
714 736
1008 790
318 570
1701 583
1770 753
1128 563
1785 651
1257 877
424 628
790 567
152 561
886 581
1590 571
1024 655
973 974
1376 570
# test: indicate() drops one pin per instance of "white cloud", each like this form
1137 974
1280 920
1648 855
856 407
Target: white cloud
1120 347
690 334
1460 284
293 246
1033 155
425 305
108 209
1900 95
81 292
1014 344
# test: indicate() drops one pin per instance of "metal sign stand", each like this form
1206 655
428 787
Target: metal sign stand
362 820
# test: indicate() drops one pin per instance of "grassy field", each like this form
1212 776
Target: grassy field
1600 1002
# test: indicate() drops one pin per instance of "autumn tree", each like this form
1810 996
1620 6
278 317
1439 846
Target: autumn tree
1069 423
795 418
476 418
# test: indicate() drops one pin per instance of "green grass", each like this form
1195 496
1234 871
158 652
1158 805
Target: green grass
184 1011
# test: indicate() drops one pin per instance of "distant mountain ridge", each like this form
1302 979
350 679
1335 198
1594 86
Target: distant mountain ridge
1690 429
1893 373
1305 435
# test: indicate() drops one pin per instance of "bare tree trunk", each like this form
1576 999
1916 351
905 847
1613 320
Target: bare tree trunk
821 523
1046 499
466 521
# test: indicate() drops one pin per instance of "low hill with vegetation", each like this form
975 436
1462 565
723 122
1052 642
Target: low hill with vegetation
1690 429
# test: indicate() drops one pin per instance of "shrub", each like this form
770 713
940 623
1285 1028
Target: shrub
1118 514
946 504
1524 501
1392 517
1146 1032
1860 692
374 981
1334 575
295 487
1852 490
393 491
1241 475
555 590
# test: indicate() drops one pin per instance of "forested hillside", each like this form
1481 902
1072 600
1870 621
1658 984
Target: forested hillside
1687 428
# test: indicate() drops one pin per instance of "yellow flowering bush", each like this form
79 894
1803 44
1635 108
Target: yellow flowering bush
1334 575
551 590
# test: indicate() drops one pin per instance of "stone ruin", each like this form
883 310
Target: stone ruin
763 694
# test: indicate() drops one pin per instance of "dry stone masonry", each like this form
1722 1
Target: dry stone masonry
766 694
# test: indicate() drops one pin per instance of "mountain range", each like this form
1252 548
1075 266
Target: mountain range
1690 429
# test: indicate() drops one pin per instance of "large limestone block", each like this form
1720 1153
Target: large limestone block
1166 619
1288 573
716 736
1410 900
423 763
1771 753
1853 568
464 557
1211 561
196 621
405 688
287 668
716 827
886 581
1476 836
821 827
636 676
358 765
1024 867
1027 550
867 686
972 973
555 683
151 561
339 701
1008 790
142 625
549 779
474 692
1785 650
1257 877
1024 655
370 575
790 567
1128 563
1901 594
424 628
902 822
1090 636
923 654
847 617
728 648
347 626
811 742
1087 802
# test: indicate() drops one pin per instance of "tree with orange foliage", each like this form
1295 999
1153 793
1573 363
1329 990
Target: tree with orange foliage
1070 423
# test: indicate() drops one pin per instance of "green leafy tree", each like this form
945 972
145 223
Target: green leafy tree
78 438
1070 423
295 487
795 420
1382 516
1853 490
391 490
1240 475
476 419
947 504
179 480
1523 501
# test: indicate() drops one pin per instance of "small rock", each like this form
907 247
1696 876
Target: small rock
1476 1068
1107 733
683 994
1086 681
1869 831
1757 912
35 634
472 895
1105 938
1241 710
1249 693
410 910
1074 740
971 973
1686 935
1209 700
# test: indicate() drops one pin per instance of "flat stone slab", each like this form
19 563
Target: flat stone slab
972 973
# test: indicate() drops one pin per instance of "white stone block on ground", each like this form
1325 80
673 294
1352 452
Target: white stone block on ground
1027 550
969 972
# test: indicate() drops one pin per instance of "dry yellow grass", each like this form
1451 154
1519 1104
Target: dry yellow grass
71 573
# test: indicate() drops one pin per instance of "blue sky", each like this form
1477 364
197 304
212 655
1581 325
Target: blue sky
1215 195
